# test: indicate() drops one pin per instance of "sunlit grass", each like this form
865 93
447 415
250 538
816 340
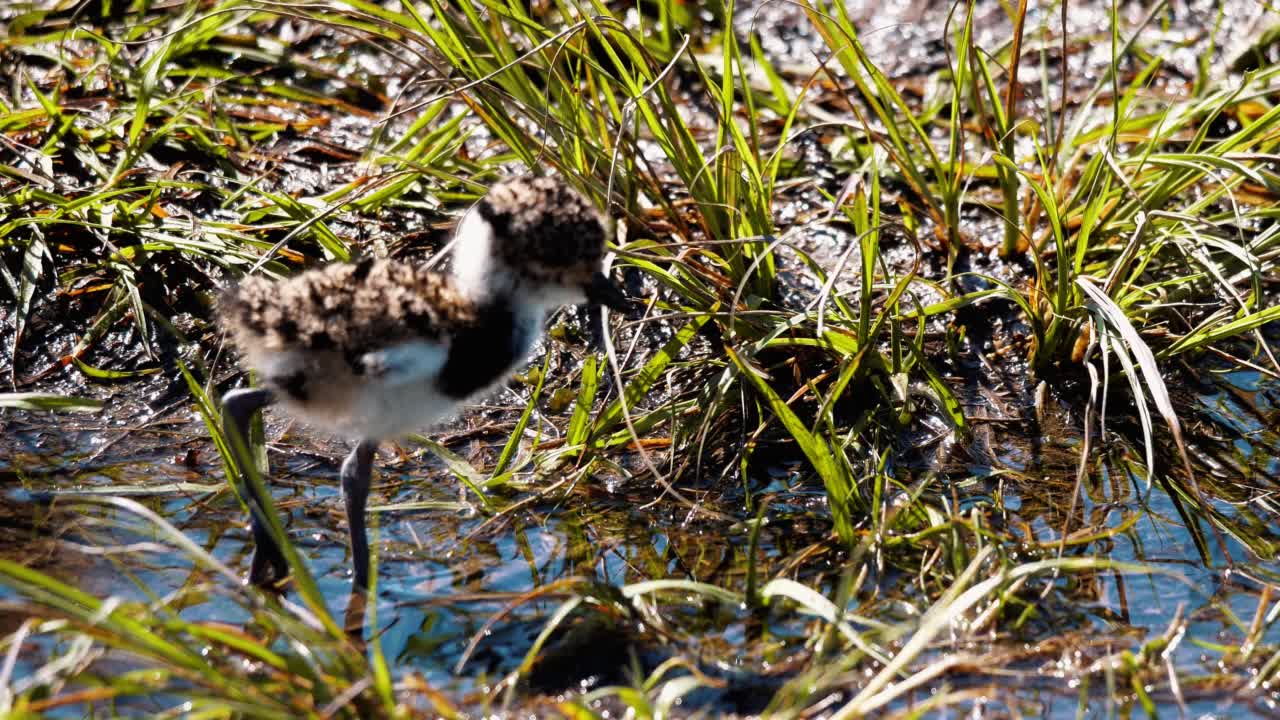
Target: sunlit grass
1137 234
287 662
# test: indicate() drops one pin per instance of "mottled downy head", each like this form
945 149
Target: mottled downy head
538 239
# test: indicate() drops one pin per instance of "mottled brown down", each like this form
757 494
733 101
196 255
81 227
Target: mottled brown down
542 229
547 229
345 307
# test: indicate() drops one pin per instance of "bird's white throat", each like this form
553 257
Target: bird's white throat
473 260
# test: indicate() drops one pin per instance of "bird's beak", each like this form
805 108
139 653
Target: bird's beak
601 291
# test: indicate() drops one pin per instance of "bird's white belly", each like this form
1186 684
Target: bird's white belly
397 395
398 392
372 410
385 411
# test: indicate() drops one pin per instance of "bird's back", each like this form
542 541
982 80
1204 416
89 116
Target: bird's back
344 307
354 347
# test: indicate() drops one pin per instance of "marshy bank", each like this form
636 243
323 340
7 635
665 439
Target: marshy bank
951 394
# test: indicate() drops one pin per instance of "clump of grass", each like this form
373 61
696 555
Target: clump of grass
287 662
1136 231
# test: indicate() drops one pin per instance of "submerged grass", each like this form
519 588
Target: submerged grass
152 150
284 662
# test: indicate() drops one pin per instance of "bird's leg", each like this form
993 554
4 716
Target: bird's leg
238 406
355 492
354 618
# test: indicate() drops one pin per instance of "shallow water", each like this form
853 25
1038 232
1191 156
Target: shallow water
444 573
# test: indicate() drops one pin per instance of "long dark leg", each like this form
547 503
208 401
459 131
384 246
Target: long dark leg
238 407
355 491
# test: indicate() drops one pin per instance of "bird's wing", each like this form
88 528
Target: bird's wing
351 309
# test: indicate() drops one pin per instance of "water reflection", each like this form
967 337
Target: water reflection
445 573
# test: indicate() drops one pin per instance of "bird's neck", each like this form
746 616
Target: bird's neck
527 312
490 286
483 352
